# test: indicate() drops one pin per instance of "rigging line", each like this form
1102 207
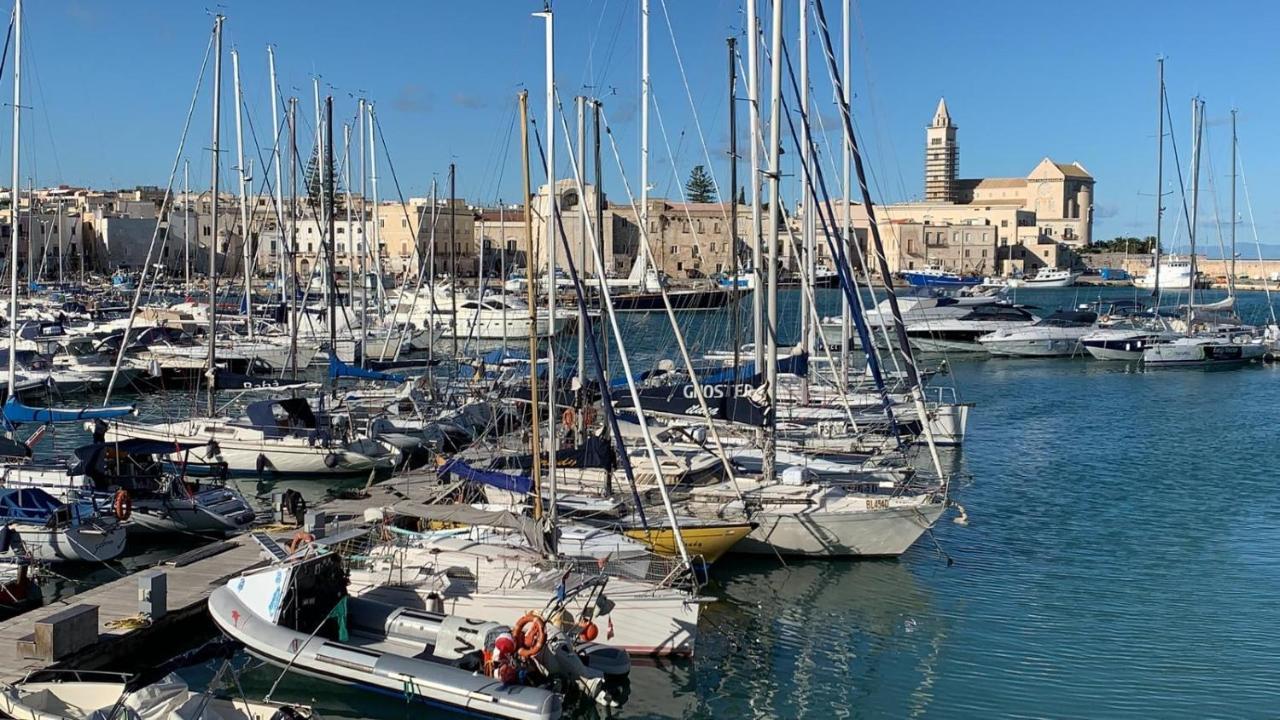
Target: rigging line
680 343
173 173
693 106
33 71
1217 220
1177 164
1253 227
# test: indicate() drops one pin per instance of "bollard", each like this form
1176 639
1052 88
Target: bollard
315 523
153 594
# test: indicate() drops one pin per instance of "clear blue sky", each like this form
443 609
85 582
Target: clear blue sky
109 85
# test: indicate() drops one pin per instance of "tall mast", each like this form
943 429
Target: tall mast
319 183
1159 172
213 205
364 235
453 265
775 182
583 219
350 245
246 255
846 234
60 235
807 269
757 217
735 294
291 240
15 199
329 217
644 144
551 220
377 223
536 432
599 221
1230 277
275 158
186 224
1197 118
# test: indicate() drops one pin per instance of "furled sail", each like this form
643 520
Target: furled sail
16 413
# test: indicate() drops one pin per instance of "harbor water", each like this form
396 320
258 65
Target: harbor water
1121 560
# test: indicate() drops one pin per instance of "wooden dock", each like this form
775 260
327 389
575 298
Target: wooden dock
191 577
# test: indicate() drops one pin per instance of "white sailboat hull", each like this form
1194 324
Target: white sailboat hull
85 543
875 533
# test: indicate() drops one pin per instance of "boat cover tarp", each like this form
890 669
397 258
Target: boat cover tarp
594 453
511 483
298 413
339 369
16 413
467 515
27 505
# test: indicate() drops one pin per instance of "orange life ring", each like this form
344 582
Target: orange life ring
300 539
530 634
569 418
122 505
588 630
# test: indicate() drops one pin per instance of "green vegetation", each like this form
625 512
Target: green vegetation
700 189
1131 245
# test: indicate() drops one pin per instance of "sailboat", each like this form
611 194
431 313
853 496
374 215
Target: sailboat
1212 335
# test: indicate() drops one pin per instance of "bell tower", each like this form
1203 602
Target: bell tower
941 157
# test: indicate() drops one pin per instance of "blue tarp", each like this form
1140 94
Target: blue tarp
15 413
27 505
339 369
511 483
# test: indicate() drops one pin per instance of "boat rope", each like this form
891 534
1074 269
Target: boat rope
133 622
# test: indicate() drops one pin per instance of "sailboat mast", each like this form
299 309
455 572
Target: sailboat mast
1159 174
291 241
453 266
1197 117
186 225
364 234
329 219
14 198
641 257
1231 277
583 219
735 293
771 283
213 207
551 220
246 254
275 157
350 245
757 220
376 249
535 436
807 268
846 234
599 219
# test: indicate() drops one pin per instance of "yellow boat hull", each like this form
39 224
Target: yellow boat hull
710 541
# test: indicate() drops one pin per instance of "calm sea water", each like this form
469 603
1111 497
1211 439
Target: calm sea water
1122 560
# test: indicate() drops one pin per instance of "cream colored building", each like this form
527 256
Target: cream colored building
985 226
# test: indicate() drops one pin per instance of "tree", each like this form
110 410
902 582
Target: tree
700 189
315 184
1131 245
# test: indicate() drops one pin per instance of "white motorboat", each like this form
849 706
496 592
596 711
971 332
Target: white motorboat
1126 339
1057 335
1174 274
498 316
34 524
297 614
917 305
279 438
494 581
1046 277
961 334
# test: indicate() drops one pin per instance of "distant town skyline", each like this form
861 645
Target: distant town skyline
109 86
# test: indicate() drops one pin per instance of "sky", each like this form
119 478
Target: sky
108 86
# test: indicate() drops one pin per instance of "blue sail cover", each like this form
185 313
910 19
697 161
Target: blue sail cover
511 483
17 413
339 369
